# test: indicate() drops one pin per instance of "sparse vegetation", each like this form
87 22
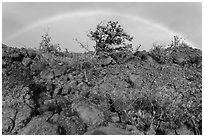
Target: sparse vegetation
177 52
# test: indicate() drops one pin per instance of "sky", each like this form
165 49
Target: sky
23 24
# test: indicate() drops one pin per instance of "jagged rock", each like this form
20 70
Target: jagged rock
27 96
109 130
16 55
72 125
49 102
115 119
82 85
68 87
38 126
121 56
105 87
108 61
4 64
18 75
170 132
39 65
59 103
89 113
136 79
23 51
87 65
26 61
57 91
8 101
49 105
151 131
31 53
54 118
150 59
119 106
8 112
49 84
64 79
23 117
62 102
141 54
58 71
184 131
134 130
47 74
7 124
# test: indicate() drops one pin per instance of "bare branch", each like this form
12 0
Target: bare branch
82 45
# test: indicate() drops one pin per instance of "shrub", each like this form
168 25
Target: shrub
177 52
177 41
47 46
110 37
184 55
159 54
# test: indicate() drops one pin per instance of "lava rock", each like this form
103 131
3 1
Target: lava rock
49 105
57 91
54 118
23 117
23 51
151 131
108 61
26 61
8 112
46 74
136 79
16 55
170 132
109 130
134 130
62 102
7 124
31 53
68 87
59 71
27 96
89 113
37 126
38 65
179 59
184 131
115 119
4 64
71 126
50 102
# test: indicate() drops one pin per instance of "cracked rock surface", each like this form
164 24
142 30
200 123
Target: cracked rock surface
120 94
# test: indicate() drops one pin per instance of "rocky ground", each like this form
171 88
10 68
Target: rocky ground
119 94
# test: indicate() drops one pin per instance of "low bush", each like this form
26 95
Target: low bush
47 46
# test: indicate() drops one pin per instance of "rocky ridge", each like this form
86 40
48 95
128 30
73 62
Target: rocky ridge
78 93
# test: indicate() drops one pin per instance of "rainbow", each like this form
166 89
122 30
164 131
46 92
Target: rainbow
91 13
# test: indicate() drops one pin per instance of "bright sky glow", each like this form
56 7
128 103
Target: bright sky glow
66 26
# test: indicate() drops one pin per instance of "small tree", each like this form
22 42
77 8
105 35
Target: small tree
176 42
47 46
110 37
